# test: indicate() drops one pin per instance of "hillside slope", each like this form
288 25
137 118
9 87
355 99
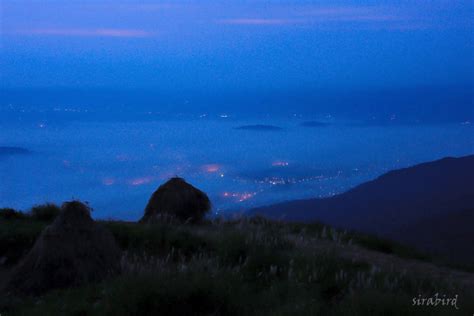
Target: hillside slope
404 204
243 267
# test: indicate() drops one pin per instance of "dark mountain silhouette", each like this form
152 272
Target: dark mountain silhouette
450 234
428 205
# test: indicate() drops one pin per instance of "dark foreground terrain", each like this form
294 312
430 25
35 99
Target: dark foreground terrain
244 267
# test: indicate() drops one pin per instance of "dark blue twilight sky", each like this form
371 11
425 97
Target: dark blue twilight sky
182 74
235 44
413 56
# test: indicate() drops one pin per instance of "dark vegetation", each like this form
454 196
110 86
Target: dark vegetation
242 267
9 213
73 250
22 230
42 212
45 212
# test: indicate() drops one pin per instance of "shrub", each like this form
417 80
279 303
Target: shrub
45 212
17 237
9 213
72 250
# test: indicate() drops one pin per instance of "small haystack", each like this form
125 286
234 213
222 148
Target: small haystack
73 250
179 200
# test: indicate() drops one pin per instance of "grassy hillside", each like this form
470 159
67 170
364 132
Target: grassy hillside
244 267
429 205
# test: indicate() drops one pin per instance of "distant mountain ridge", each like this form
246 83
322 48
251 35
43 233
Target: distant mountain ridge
408 205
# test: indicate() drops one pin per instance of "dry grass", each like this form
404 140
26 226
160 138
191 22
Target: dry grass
248 267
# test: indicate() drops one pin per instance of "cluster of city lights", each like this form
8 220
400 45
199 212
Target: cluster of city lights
240 197
280 163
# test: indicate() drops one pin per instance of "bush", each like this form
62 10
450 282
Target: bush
45 212
157 239
17 237
9 213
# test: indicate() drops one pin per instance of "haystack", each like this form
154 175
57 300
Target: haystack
73 250
178 200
